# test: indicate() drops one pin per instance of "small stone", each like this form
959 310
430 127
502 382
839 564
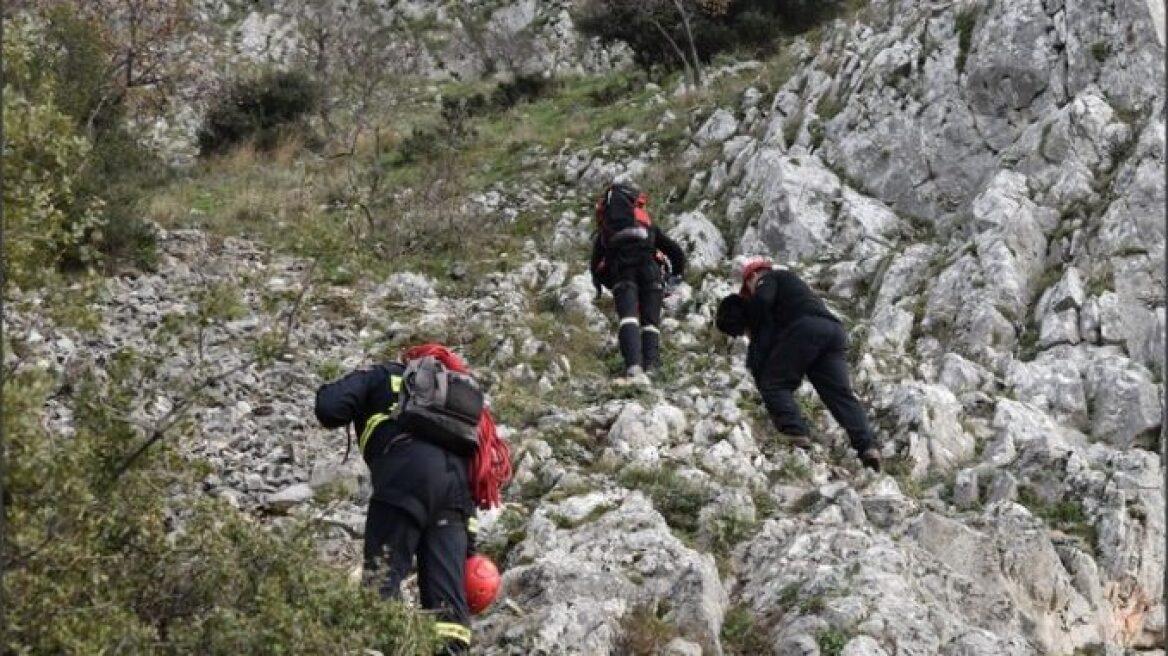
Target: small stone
682 647
290 496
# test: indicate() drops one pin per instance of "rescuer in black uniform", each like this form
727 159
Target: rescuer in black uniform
629 258
421 503
792 335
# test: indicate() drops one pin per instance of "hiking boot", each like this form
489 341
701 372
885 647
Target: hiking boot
634 371
797 440
872 458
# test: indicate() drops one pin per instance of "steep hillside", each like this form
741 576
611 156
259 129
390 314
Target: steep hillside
977 187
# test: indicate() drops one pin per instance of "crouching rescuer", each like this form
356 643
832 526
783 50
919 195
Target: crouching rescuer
434 456
634 259
792 335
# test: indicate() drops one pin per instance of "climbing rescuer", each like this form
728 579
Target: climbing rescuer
433 455
634 259
792 335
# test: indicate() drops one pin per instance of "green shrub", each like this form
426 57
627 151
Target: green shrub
261 109
678 499
80 171
645 629
832 641
751 27
457 110
521 88
45 220
743 633
96 563
966 22
119 168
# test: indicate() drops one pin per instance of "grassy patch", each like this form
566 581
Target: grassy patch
728 532
813 605
829 106
677 499
1066 515
832 641
1102 281
1100 50
221 301
596 513
744 633
790 470
1028 341
764 503
966 22
645 631
807 502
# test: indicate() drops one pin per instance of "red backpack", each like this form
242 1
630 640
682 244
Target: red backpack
621 214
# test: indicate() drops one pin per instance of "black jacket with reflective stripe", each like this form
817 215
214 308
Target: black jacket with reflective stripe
367 399
658 241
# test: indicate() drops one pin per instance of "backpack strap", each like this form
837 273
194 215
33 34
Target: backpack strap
395 386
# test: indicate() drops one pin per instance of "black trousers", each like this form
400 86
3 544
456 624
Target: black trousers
420 506
637 294
814 347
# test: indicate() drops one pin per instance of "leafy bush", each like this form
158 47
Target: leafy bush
718 26
521 88
743 633
81 171
645 629
679 500
43 217
261 109
96 563
456 110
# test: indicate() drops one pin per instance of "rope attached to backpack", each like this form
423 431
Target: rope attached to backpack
490 469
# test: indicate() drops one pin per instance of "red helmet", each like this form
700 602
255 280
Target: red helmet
482 582
749 269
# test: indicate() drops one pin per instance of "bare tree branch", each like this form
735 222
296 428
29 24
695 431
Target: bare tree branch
178 411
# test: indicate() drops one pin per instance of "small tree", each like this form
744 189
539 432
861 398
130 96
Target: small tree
669 20
690 32
45 221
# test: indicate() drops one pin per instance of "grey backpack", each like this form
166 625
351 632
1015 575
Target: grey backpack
440 406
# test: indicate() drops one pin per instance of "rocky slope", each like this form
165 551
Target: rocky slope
977 187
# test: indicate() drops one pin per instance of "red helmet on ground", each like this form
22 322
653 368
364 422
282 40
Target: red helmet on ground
482 582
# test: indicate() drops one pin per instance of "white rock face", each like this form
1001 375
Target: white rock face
796 196
928 419
718 128
702 240
591 559
639 434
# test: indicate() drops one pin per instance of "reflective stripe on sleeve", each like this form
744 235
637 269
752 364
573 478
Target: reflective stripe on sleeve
370 425
395 386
